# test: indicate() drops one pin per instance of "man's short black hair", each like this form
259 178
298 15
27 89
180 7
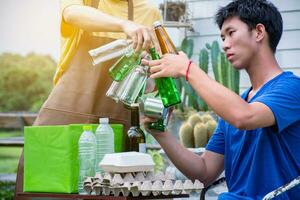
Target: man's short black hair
253 12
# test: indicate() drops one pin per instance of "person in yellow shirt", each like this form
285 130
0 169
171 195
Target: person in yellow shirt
79 89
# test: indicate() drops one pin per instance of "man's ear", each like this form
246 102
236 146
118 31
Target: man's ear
260 32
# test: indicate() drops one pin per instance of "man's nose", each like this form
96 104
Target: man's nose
225 45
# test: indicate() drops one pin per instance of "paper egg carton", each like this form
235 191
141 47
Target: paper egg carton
140 183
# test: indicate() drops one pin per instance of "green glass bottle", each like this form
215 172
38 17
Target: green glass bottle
158 125
166 86
124 65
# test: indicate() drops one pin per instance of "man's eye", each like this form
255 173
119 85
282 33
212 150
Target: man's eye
230 33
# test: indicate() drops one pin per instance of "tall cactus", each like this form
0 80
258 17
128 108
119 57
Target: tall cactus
224 73
203 60
187 46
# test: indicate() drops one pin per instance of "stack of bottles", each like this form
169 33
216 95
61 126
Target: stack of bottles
129 77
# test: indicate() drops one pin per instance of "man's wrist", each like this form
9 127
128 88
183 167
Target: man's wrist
187 71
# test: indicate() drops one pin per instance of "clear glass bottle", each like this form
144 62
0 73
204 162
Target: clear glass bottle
86 156
166 86
111 50
134 85
137 139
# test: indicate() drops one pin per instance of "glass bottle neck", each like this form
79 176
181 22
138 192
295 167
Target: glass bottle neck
135 118
154 54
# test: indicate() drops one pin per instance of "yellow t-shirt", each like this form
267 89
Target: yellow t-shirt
144 13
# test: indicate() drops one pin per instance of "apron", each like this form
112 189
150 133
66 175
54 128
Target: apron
79 96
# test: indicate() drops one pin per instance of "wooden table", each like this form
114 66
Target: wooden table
96 197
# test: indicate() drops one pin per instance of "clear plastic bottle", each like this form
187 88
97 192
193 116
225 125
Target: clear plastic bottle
105 141
86 156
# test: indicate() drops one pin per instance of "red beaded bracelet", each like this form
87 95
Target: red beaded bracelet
187 71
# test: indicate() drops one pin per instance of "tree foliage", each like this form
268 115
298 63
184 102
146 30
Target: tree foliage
25 81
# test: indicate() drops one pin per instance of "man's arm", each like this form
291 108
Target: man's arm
93 20
228 105
225 103
205 168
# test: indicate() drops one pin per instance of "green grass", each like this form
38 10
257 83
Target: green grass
9 156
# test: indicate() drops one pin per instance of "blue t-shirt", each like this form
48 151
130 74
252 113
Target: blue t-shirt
261 160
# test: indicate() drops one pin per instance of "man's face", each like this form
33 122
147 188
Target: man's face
239 43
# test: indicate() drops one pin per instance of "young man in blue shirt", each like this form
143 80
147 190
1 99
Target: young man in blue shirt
258 134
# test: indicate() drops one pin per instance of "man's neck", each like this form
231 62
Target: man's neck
262 68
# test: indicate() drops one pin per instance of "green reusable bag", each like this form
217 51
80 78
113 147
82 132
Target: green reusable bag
51 157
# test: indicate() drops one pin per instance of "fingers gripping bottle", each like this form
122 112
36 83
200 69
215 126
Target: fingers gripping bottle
166 86
86 156
104 140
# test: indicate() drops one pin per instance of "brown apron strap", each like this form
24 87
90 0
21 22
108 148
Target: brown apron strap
130 10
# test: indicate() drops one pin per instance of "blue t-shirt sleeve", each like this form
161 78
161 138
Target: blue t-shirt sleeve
217 141
284 101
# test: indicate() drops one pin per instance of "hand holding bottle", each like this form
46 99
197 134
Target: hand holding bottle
147 121
142 36
170 65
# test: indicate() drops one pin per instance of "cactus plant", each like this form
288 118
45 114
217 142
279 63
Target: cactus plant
186 135
211 126
193 99
194 119
187 46
197 129
200 135
203 60
223 71
206 117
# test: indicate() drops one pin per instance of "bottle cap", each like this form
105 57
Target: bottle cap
103 120
87 128
156 24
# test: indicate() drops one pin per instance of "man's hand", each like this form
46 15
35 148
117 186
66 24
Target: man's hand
170 65
143 37
145 121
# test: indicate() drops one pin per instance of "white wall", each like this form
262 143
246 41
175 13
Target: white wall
288 51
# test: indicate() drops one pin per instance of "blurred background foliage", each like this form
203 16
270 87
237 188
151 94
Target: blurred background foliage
25 81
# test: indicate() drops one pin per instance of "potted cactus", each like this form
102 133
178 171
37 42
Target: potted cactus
175 10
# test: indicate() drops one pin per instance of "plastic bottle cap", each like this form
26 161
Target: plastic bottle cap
87 128
156 24
103 120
